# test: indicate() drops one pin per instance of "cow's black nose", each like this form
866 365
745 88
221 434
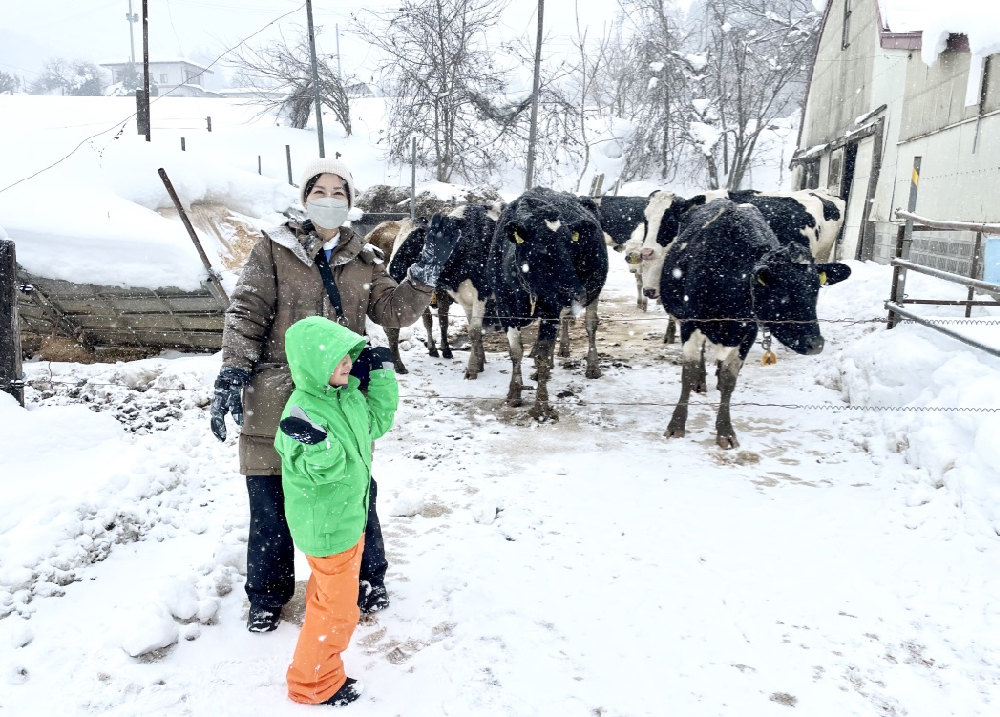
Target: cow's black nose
649 293
814 345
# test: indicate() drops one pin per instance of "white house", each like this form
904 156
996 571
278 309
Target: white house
892 81
179 77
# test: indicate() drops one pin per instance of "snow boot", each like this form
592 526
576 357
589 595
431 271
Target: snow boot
372 597
262 619
350 691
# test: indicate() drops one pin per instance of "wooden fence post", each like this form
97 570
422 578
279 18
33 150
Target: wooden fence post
208 119
11 379
288 161
903 243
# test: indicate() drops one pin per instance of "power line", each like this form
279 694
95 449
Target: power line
166 94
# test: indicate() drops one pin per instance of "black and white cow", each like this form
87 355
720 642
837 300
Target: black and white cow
810 217
620 218
725 273
464 279
548 254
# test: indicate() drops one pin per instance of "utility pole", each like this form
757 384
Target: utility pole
315 71
336 29
142 118
529 174
132 20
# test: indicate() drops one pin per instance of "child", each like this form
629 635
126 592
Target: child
325 443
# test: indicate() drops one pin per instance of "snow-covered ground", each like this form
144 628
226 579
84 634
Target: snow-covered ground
841 561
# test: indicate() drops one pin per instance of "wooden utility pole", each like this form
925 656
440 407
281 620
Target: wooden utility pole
529 174
142 117
315 72
10 332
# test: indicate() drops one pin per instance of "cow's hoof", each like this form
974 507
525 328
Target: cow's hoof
593 372
533 376
400 368
471 375
672 432
563 354
701 388
433 352
446 353
543 413
726 443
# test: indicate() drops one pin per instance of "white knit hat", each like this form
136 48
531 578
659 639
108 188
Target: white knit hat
324 166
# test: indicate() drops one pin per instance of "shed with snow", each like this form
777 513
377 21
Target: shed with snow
894 80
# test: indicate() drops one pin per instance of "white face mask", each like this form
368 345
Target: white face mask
327 212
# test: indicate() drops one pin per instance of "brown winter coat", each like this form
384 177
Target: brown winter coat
281 284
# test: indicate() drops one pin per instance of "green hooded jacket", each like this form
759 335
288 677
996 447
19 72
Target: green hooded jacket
326 484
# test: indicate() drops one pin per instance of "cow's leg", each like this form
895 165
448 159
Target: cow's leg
593 362
444 306
397 360
477 355
564 320
516 354
429 328
729 370
544 349
670 335
692 351
702 383
641 301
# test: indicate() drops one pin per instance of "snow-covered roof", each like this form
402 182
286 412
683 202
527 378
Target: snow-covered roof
978 20
158 61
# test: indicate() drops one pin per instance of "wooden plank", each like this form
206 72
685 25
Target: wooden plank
145 305
150 322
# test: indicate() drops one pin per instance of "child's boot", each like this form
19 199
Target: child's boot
350 691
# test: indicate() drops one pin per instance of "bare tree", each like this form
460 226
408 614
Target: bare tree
443 77
71 78
9 84
758 59
280 75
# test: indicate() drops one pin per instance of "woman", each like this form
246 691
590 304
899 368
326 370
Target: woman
316 267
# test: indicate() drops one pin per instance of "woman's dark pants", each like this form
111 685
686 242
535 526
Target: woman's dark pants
271 554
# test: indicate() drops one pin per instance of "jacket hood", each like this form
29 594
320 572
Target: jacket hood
314 346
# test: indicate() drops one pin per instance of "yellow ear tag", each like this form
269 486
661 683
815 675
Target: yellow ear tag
576 236
822 278
518 239
768 359
761 281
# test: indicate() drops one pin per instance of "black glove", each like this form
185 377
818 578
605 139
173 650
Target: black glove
442 236
228 387
371 359
299 426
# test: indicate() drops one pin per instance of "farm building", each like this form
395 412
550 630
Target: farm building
893 81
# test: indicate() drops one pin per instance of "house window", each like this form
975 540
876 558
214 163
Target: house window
845 39
163 77
809 174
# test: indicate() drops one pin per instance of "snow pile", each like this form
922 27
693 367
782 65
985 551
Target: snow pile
954 453
979 21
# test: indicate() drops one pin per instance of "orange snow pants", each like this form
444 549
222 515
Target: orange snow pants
317 670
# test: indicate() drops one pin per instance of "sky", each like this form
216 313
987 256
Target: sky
98 30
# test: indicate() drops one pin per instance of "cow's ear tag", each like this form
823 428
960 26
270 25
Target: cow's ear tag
822 278
768 359
518 239
576 236
761 281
